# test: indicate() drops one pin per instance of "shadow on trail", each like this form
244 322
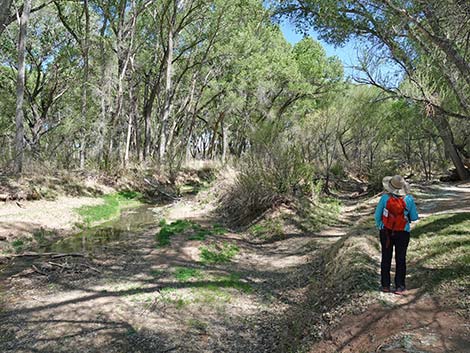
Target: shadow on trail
441 223
118 336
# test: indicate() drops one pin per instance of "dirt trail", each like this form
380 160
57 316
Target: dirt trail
135 301
416 322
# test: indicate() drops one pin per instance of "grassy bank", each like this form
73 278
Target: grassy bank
110 208
440 259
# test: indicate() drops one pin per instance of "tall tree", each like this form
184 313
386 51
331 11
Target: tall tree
405 33
20 87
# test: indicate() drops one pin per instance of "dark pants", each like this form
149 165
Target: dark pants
400 241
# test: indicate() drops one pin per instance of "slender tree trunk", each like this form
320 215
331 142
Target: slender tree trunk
103 94
130 123
168 92
147 112
225 131
445 131
5 7
125 57
20 87
128 139
148 133
84 109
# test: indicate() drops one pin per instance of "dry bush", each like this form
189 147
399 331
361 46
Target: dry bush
269 176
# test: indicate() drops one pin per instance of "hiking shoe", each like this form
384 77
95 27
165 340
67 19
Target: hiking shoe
385 289
400 290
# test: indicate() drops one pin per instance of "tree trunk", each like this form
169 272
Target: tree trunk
84 108
225 131
5 6
128 140
168 91
20 87
130 122
103 95
445 132
148 108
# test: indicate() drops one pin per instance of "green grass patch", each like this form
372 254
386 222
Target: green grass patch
218 253
196 231
17 244
185 273
268 229
233 281
211 294
218 229
157 273
314 216
201 233
111 207
169 230
43 236
440 247
207 289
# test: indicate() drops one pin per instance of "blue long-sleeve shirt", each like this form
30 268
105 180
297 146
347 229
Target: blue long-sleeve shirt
411 213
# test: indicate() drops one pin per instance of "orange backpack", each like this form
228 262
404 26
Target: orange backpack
393 216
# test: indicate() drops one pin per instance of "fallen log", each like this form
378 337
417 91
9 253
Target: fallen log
38 270
53 255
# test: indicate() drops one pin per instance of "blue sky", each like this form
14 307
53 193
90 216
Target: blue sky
348 53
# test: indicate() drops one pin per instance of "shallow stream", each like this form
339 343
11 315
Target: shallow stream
95 239
130 221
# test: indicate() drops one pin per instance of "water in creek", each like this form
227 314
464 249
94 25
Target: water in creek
130 221
93 240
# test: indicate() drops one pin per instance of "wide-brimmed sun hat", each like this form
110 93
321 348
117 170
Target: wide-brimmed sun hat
396 185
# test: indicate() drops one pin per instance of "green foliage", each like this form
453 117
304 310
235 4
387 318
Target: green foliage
201 233
269 229
378 171
216 253
196 231
430 77
198 324
315 66
184 273
233 281
157 273
17 244
312 217
169 230
111 207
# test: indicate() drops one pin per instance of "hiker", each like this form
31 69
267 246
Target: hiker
393 215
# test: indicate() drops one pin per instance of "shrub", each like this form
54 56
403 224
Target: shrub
273 172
